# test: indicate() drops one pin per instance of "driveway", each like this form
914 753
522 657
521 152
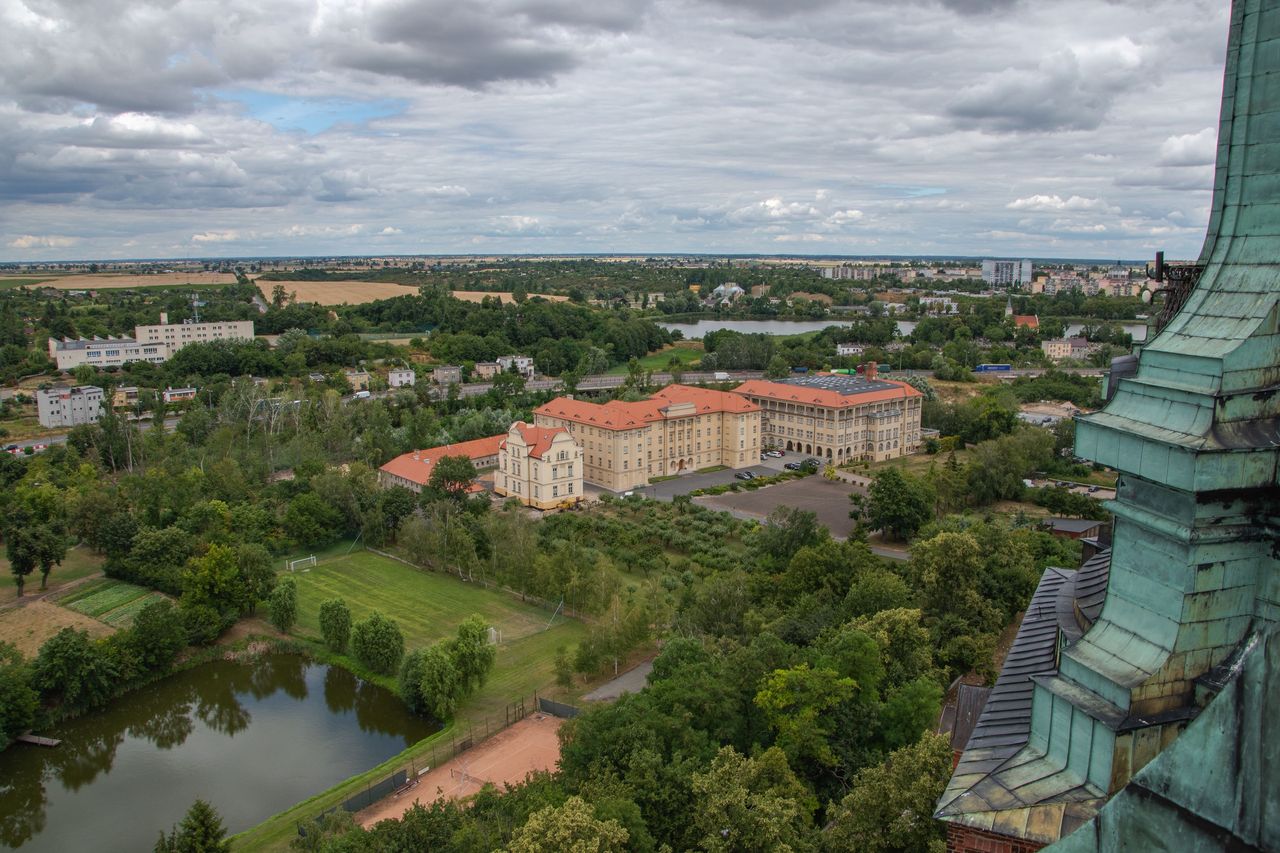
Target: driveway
682 485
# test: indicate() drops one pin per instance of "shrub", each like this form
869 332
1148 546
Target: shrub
335 624
283 604
377 643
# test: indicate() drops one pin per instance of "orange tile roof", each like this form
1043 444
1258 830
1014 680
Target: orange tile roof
617 415
416 467
1031 321
822 397
538 438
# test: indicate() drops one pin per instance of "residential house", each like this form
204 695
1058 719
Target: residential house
446 374
178 395
485 370
401 378
357 379
522 364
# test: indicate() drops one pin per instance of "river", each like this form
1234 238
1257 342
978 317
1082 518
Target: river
252 739
699 328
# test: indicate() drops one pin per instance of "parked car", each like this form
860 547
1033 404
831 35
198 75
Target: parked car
812 463
776 454
39 448
745 475
11 447
793 466
1093 489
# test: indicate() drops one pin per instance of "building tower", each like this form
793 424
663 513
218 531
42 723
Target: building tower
1133 702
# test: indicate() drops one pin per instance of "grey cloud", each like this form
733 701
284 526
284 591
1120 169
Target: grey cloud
1056 96
978 7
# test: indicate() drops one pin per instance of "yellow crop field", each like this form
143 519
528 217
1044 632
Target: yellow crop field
479 295
338 292
103 281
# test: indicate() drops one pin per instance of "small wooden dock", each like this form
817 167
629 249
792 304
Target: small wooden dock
37 740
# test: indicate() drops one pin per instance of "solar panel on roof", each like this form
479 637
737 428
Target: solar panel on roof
840 384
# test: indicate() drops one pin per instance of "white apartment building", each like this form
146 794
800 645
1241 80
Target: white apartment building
61 406
401 378
154 343
999 273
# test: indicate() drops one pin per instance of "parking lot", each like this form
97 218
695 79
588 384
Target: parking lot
828 500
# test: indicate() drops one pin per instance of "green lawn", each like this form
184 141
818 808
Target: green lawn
7 283
80 562
427 606
687 352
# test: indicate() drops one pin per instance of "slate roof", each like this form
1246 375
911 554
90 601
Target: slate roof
989 789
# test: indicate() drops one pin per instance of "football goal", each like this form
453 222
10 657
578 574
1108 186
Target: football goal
301 562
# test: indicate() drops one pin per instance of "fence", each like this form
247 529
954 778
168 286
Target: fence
557 709
461 738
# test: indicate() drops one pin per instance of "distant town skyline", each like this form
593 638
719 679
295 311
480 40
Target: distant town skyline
976 128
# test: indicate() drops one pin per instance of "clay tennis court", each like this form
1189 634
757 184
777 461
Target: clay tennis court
509 756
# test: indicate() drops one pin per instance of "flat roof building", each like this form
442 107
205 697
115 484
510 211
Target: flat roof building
153 343
62 406
838 417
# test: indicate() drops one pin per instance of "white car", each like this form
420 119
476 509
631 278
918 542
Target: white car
776 454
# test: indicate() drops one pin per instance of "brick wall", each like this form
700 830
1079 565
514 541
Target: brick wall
966 839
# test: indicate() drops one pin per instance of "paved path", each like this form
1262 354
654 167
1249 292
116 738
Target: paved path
631 681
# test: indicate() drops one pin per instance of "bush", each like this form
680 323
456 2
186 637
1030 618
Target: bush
335 624
158 634
377 643
283 604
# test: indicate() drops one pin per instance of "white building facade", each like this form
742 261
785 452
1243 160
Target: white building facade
67 407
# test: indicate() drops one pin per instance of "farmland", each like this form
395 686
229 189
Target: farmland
502 296
110 601
29 625
104 281
338 292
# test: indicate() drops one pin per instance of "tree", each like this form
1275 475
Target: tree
570 828
472 653
76 669
216 582
157 635
777 368
795 702
201 831
899 504
335 624
311 522
440 685
890 808
453 476
18 701
377 643
31 546
751 804
283 605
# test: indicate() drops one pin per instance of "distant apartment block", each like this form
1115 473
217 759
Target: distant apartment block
357 379
1063 348
63 406
849 350
849 272
522 364
1006 273
401 378
178 395
677 430
539 466
939 305
446 374
154 343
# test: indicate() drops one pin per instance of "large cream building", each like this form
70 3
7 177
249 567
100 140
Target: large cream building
838 417
154 343
677 430
540 466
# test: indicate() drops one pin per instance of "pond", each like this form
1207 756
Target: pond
251 738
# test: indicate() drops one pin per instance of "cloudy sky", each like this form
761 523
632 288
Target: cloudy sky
202 128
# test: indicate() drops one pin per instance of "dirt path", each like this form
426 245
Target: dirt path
507 757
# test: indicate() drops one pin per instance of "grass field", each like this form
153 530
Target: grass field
687 352
29 625
427 606
111 601
338 292
8 282
79 563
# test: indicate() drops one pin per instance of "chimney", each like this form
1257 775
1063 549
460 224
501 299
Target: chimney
869 371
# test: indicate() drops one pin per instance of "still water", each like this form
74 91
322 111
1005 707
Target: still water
251 738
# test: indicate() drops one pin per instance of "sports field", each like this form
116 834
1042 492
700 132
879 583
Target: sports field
427 605
338 292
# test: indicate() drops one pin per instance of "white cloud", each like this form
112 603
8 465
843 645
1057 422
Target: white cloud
215 237
1052 203
50 241
1190 149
